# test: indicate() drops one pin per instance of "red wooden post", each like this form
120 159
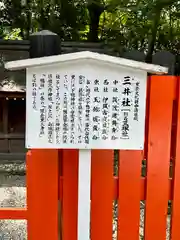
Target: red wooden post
42 164
175 223
158 159
70 194
129 194
102 194
42 194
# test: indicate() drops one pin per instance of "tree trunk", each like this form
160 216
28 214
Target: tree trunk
28 12
152 38
95 11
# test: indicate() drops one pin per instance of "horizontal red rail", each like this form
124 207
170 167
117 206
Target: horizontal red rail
116 193
15 213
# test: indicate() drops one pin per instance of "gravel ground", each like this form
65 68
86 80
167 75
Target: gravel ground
13 194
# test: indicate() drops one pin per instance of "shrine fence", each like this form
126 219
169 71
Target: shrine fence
52 180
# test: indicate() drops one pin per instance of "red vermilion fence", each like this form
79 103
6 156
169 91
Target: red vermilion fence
52 180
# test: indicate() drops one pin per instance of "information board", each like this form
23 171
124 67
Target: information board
76 106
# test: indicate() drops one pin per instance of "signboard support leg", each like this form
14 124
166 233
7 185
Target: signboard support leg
84 194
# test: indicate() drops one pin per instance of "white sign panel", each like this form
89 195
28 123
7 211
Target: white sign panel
76 106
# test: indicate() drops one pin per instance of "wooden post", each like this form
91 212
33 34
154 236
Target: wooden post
43 165
5 123
175 216
42 194
158 158
44 43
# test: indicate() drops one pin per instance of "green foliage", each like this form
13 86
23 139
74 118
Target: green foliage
131 24
14 34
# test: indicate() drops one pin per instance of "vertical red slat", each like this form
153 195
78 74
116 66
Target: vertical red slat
174 121
70 194
158 160
129 194
60 192
42 194
102 190
175 224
